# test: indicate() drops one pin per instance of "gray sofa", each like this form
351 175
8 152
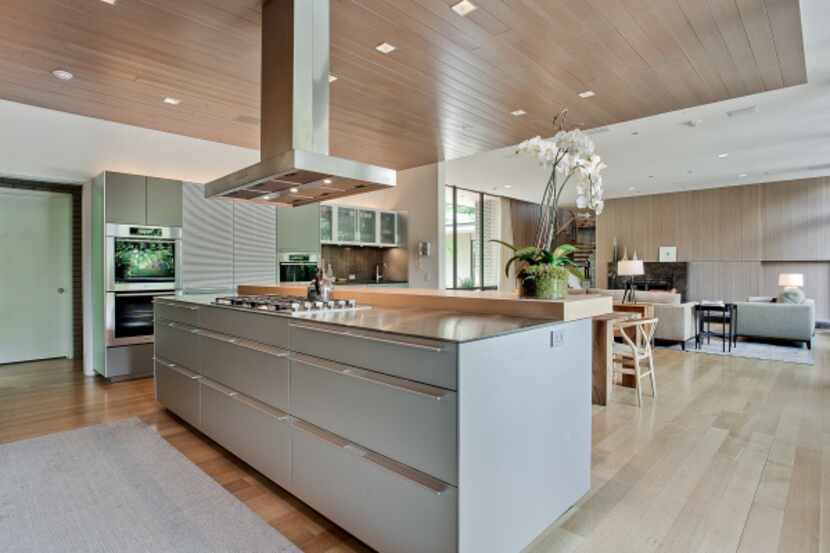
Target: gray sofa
782 321
676 320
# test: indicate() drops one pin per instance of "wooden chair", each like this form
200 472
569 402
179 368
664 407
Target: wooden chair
636 349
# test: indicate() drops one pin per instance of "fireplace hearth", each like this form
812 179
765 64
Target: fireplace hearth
658 277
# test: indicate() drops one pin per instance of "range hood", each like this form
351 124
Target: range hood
296 169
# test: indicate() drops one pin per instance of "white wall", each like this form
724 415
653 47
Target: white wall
50 145
419 193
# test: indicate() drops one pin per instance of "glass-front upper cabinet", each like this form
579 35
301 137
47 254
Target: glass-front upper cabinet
326 223
367 226
388 228
346 224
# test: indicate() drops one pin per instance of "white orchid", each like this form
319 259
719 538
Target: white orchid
569 154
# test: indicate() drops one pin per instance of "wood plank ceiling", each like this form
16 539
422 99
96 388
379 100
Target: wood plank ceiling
447 91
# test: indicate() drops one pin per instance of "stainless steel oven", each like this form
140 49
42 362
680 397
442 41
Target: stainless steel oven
298 267
129 317
142 258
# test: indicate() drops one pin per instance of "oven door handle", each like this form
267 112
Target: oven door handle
139 294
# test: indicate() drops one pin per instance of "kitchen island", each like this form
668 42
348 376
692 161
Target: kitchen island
415 429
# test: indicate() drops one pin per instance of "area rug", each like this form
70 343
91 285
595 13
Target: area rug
120 488
768 351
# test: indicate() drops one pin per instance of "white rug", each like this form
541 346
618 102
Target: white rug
120 488
753 349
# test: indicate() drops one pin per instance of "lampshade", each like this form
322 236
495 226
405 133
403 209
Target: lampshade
791 279
630 267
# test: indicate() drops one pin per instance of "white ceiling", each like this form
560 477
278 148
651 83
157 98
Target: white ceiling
61 147
788 138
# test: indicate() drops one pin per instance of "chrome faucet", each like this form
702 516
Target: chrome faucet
378 273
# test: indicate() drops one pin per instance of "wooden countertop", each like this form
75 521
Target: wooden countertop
582 306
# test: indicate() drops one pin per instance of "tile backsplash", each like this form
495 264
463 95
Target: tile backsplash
361 262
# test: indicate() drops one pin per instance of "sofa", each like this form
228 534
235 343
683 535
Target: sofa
676 320
782 321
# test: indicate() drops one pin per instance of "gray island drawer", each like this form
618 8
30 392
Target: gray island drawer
256 370
265 329
179 343
254 432
178 311
410 422
178 390
429 361
393 508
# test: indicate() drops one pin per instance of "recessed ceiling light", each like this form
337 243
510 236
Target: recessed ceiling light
269 196
632 188
332 78
518 113
172 101
508 186
587 94
110 2
464 7
327 181
62 74
651 176
294 189
723 155
743 175
385 48
635 133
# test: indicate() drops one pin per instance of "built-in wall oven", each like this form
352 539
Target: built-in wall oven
142 263
143 258
298 266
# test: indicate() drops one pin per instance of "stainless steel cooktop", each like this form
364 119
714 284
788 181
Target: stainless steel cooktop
286 304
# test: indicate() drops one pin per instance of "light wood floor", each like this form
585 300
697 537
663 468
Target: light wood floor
734 456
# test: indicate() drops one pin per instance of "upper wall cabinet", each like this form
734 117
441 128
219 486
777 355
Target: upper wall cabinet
126 199
139 200
299 228
358 226
164 202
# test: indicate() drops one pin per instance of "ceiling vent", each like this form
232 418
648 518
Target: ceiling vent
598 130
743 111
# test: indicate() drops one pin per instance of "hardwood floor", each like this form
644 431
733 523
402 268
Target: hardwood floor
734 456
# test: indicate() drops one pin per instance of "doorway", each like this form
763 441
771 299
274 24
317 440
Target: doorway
36 275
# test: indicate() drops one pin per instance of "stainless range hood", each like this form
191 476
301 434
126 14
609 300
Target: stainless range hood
296 169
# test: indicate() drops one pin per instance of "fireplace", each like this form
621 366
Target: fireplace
657 277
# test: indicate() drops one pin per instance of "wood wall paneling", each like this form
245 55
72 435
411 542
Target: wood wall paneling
737 239
448 89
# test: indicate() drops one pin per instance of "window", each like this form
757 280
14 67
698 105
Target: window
471 221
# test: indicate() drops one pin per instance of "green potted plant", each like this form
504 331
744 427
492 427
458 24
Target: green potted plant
543 274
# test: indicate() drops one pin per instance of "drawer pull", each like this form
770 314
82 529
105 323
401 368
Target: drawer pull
392 382
397 384
219 388
175 368
177 306
247 344
409 474
262 348
216 336
281 416
436 349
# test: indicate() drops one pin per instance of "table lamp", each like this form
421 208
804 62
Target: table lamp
791 284
630 268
